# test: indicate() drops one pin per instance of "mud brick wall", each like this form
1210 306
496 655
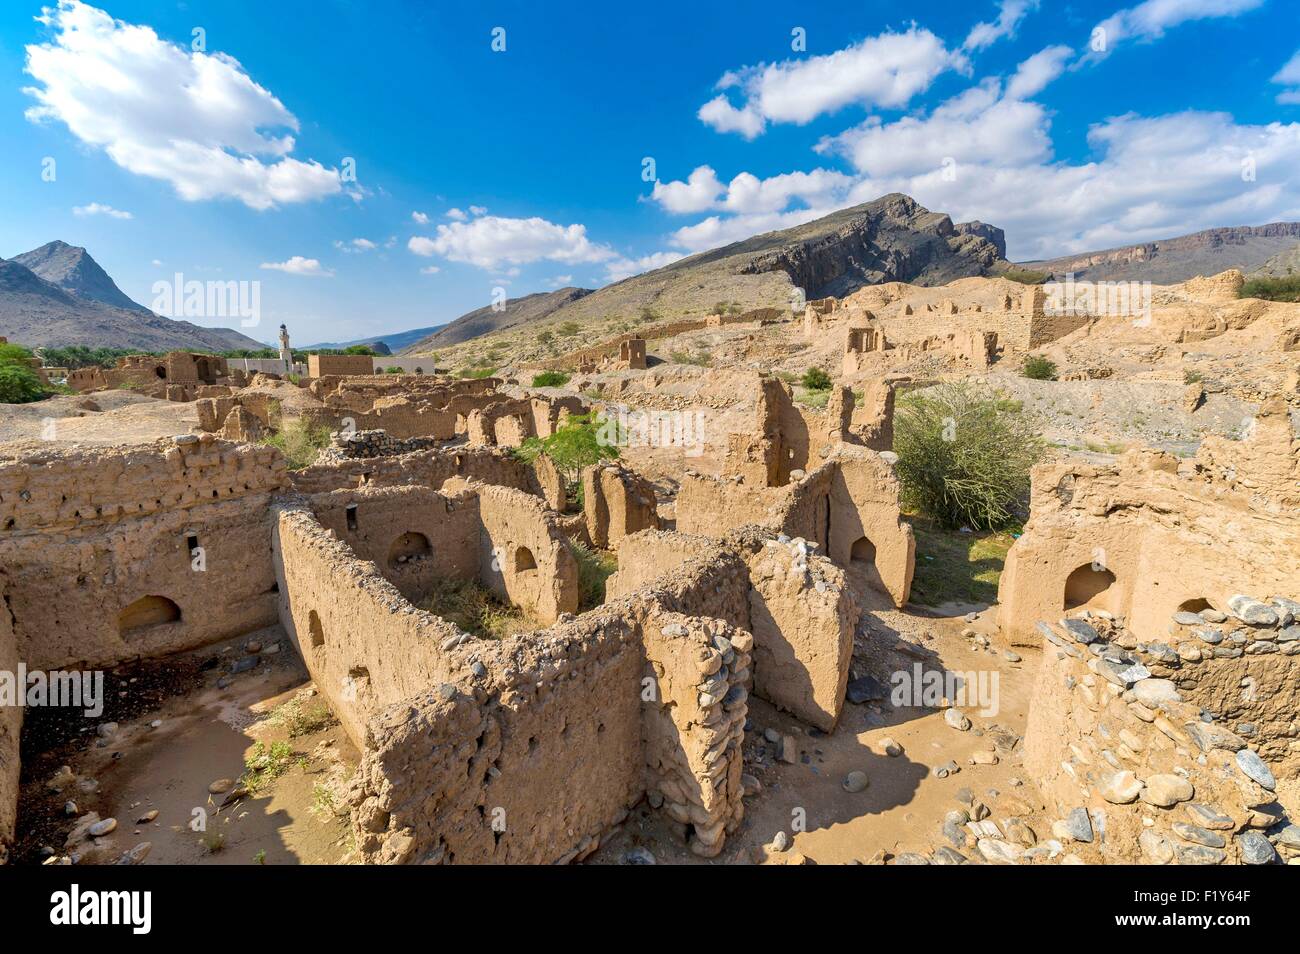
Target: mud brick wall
412 534
537 745
428 468
795 604
100 559
524 555
365 645
1161 779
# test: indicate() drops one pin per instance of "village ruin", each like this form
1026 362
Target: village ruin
741 628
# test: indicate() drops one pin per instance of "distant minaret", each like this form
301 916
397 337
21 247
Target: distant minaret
286 355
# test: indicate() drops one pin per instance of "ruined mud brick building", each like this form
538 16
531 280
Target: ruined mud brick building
809 476
1151 534
175 376
114 554
967 319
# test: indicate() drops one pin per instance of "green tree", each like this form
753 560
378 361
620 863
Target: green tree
964 456
577 444
815 379
19 384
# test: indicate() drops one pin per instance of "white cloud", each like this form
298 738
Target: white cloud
1150 20
356 245
746 193
716 230
699 192
1289 75
96 208
1010 14
420 218
1153 177
491 240
1033 75
456 215
622 268
297 265
194 120
478 210
430 270
156 262
977 126
885 70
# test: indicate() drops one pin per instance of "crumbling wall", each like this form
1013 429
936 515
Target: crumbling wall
797 606
1148 533
431 468
1143 769
115 553
849 507
617 502
524 555
414 535
365 645
531 750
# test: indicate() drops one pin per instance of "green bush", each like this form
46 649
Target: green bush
815 379
1284 288
594 568
1038 368
550 379
299 441
577 444
964 457
19 384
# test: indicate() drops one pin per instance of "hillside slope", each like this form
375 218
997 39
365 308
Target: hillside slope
482 321
889 239
1177 259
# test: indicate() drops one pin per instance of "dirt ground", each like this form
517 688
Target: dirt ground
903 806
198 727
123 418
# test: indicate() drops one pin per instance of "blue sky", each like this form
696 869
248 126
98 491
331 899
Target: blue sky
226 156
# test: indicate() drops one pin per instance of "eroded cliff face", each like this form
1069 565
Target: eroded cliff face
894 239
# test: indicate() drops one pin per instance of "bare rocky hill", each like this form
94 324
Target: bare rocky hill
482 321
76 308
72 269
889 239
1178 259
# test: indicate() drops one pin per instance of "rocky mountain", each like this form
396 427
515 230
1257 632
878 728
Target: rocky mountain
892 238
39 312
1178 259
482 321
72 269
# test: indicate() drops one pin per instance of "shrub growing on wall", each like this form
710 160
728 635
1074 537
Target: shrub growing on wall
964 456
576 445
